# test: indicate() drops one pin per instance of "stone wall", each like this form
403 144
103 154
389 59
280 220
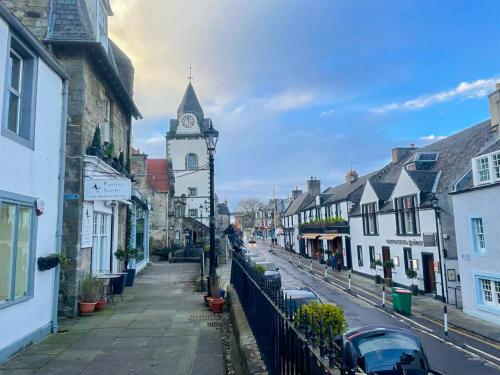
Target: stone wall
34 14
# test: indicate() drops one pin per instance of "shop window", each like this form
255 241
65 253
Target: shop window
360 256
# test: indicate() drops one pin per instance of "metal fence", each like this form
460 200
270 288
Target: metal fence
186 254
287 344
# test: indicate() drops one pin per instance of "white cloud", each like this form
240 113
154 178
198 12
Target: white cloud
289 100
465 90
326 113
155 140
433 138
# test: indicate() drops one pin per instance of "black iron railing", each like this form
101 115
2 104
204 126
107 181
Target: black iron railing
288 345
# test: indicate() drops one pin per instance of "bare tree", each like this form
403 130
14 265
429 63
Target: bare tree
248 207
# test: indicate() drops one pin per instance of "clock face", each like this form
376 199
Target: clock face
188 120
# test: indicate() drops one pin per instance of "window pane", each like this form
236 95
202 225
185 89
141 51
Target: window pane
7 222
23 251
486 289
496 165
483 169
15 71
13 113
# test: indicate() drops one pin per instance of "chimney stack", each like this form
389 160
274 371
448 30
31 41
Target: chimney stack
399 153
351 176
494 99
296 193
314 186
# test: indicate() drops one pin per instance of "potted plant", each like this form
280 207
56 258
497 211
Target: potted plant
126 256
95 148
108 152
412 275
89 287
373 266
388 264
50 261
217 293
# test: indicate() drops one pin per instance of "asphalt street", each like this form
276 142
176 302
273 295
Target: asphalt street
450 356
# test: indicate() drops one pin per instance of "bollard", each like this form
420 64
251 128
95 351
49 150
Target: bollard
299 261
326 272
290 258
349 283
445 320
383 296
311 266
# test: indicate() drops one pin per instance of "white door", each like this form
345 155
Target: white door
101 243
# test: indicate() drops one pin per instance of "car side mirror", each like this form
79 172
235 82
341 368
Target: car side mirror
277 268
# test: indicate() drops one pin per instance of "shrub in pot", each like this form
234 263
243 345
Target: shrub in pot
126 256
89 288
412 275
331 316
48 262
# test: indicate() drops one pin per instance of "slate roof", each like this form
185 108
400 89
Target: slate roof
299 203
223 209
347 191
70 21
495 146
190 103
312 203
424 179
70 24
158 175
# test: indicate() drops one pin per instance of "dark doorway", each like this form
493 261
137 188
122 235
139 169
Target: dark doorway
429 275
348 252
386 255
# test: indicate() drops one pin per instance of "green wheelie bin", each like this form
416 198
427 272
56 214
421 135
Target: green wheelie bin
401 300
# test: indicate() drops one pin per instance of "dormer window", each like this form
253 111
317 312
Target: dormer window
486 168
102 24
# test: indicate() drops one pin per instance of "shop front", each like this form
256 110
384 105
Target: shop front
139 224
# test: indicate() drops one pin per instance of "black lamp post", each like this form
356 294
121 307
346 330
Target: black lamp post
211 137
437 214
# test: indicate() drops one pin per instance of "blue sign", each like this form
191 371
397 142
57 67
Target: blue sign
71 197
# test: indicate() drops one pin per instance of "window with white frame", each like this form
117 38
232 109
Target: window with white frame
191 162
372 253
478 235
16 255
369 212
490 292
102 23
192 191
106 127
407 220
193 212
483 169
101 243
496 165
20 89
360 256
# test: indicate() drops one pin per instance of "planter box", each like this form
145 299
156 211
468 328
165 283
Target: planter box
48 262
130 277
118 284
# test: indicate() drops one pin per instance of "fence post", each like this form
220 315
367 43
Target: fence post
445 321
321 340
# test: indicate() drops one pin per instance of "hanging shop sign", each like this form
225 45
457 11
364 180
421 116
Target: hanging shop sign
107 189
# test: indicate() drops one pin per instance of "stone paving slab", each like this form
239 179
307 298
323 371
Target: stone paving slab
153 332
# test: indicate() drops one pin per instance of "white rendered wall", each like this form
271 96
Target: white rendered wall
33 173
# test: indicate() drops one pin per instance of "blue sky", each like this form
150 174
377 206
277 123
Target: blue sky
301 88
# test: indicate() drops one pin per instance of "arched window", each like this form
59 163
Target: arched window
191 162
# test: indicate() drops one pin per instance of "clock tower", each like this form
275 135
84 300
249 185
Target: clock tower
187 149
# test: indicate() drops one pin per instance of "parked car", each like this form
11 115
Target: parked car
271 272
254 259
251 240
294 298
379 350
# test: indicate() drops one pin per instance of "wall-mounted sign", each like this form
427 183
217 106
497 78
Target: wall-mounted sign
87 224
107 189
452 274
405 242
436 266
71 197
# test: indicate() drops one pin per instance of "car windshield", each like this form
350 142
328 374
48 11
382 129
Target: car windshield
268 266
392 361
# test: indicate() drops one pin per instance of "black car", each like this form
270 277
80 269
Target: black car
382 351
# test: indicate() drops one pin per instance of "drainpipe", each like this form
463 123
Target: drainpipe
60 197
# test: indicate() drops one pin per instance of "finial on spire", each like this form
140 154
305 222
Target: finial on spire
190 77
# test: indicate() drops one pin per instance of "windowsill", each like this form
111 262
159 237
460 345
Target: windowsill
17 138
7 304
488 309
409 235
479 254
371 234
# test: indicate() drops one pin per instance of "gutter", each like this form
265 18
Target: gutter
60 205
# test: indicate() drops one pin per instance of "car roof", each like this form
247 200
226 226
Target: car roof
299 293
265 262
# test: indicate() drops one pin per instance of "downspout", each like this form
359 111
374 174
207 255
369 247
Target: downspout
60 197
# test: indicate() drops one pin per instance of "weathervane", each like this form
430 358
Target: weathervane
190 77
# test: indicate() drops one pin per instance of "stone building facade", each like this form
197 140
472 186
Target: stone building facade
100 96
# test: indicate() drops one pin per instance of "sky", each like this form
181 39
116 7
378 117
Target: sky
301 88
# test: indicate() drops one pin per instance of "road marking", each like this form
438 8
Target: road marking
414 322
484 353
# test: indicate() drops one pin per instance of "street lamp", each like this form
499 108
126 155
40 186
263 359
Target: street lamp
437 214
211 137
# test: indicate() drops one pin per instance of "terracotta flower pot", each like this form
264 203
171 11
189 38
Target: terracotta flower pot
86 308
210 301
100 305
218 305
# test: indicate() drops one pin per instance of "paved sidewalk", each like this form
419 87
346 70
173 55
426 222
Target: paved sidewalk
162 328
425 306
